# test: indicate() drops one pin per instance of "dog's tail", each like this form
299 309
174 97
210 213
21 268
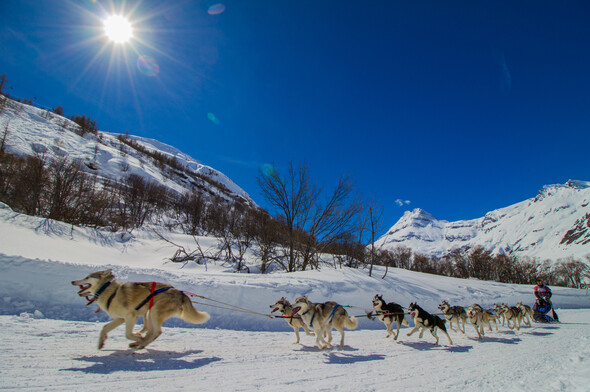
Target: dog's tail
190 314
351 322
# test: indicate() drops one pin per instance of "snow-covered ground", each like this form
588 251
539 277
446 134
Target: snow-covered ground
49 336
58 355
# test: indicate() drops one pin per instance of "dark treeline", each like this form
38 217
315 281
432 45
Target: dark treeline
479 263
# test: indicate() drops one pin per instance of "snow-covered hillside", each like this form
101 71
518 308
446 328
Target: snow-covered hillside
31 130
49 334
553 225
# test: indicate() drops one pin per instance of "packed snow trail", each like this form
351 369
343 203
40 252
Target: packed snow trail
55 355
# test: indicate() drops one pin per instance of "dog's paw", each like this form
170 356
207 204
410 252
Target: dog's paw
136 345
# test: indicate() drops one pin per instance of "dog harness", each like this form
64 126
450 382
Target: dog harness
150 298
313 316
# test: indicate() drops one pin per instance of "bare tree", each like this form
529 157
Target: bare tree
293 198
4 137
310 226
374 216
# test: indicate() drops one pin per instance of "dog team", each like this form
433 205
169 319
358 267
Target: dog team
157 302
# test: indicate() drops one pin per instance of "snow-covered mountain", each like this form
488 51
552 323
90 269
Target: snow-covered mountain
30 130
553 225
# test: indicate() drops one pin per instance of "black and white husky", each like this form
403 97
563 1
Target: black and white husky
423 319
389 313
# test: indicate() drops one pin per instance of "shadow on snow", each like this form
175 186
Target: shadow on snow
134 361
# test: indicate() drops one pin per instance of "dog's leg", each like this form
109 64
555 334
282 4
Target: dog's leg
129 325
108 328
422 332
448 337
307 330
399 325
389 325
495 324
413 330
329 331
451 323
296 330
154 324
433 332
319 338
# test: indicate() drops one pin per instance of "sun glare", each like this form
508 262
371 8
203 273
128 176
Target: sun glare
118 29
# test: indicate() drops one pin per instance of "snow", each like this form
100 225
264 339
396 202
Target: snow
32 130
50 335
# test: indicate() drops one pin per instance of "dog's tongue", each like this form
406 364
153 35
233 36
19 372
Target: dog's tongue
296 309
274 310
413 314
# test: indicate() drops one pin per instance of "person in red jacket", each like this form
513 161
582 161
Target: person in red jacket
543 294
542 291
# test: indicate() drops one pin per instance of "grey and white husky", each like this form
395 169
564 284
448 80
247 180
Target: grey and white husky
283 306
454 313
322 317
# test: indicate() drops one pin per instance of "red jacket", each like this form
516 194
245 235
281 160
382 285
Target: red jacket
542 291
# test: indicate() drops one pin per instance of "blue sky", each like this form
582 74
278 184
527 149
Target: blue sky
455 107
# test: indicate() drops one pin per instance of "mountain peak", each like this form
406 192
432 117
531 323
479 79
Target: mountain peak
553 225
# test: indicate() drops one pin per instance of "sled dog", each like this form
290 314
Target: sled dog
389 313
479 318
126 302
423 319
454 313
499 309
283 306
512 313
526 311
322 317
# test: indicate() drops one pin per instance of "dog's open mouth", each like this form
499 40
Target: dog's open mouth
83 287
413 314
274 310
296 309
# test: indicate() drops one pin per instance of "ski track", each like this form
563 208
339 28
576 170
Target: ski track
57 355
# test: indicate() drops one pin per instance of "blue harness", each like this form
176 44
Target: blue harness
313 316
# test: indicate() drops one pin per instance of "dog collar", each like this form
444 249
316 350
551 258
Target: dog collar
101 290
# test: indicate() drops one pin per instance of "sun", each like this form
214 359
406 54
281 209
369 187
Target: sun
118 29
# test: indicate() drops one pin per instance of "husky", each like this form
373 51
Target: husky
126 302
425 320
513 314
389 313
284 307
454 313
499 309
526 311
322 317
479 318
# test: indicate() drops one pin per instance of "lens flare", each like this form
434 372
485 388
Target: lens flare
213 118
267 169
216 9
147 65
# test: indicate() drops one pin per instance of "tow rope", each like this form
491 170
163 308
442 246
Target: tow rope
225 306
